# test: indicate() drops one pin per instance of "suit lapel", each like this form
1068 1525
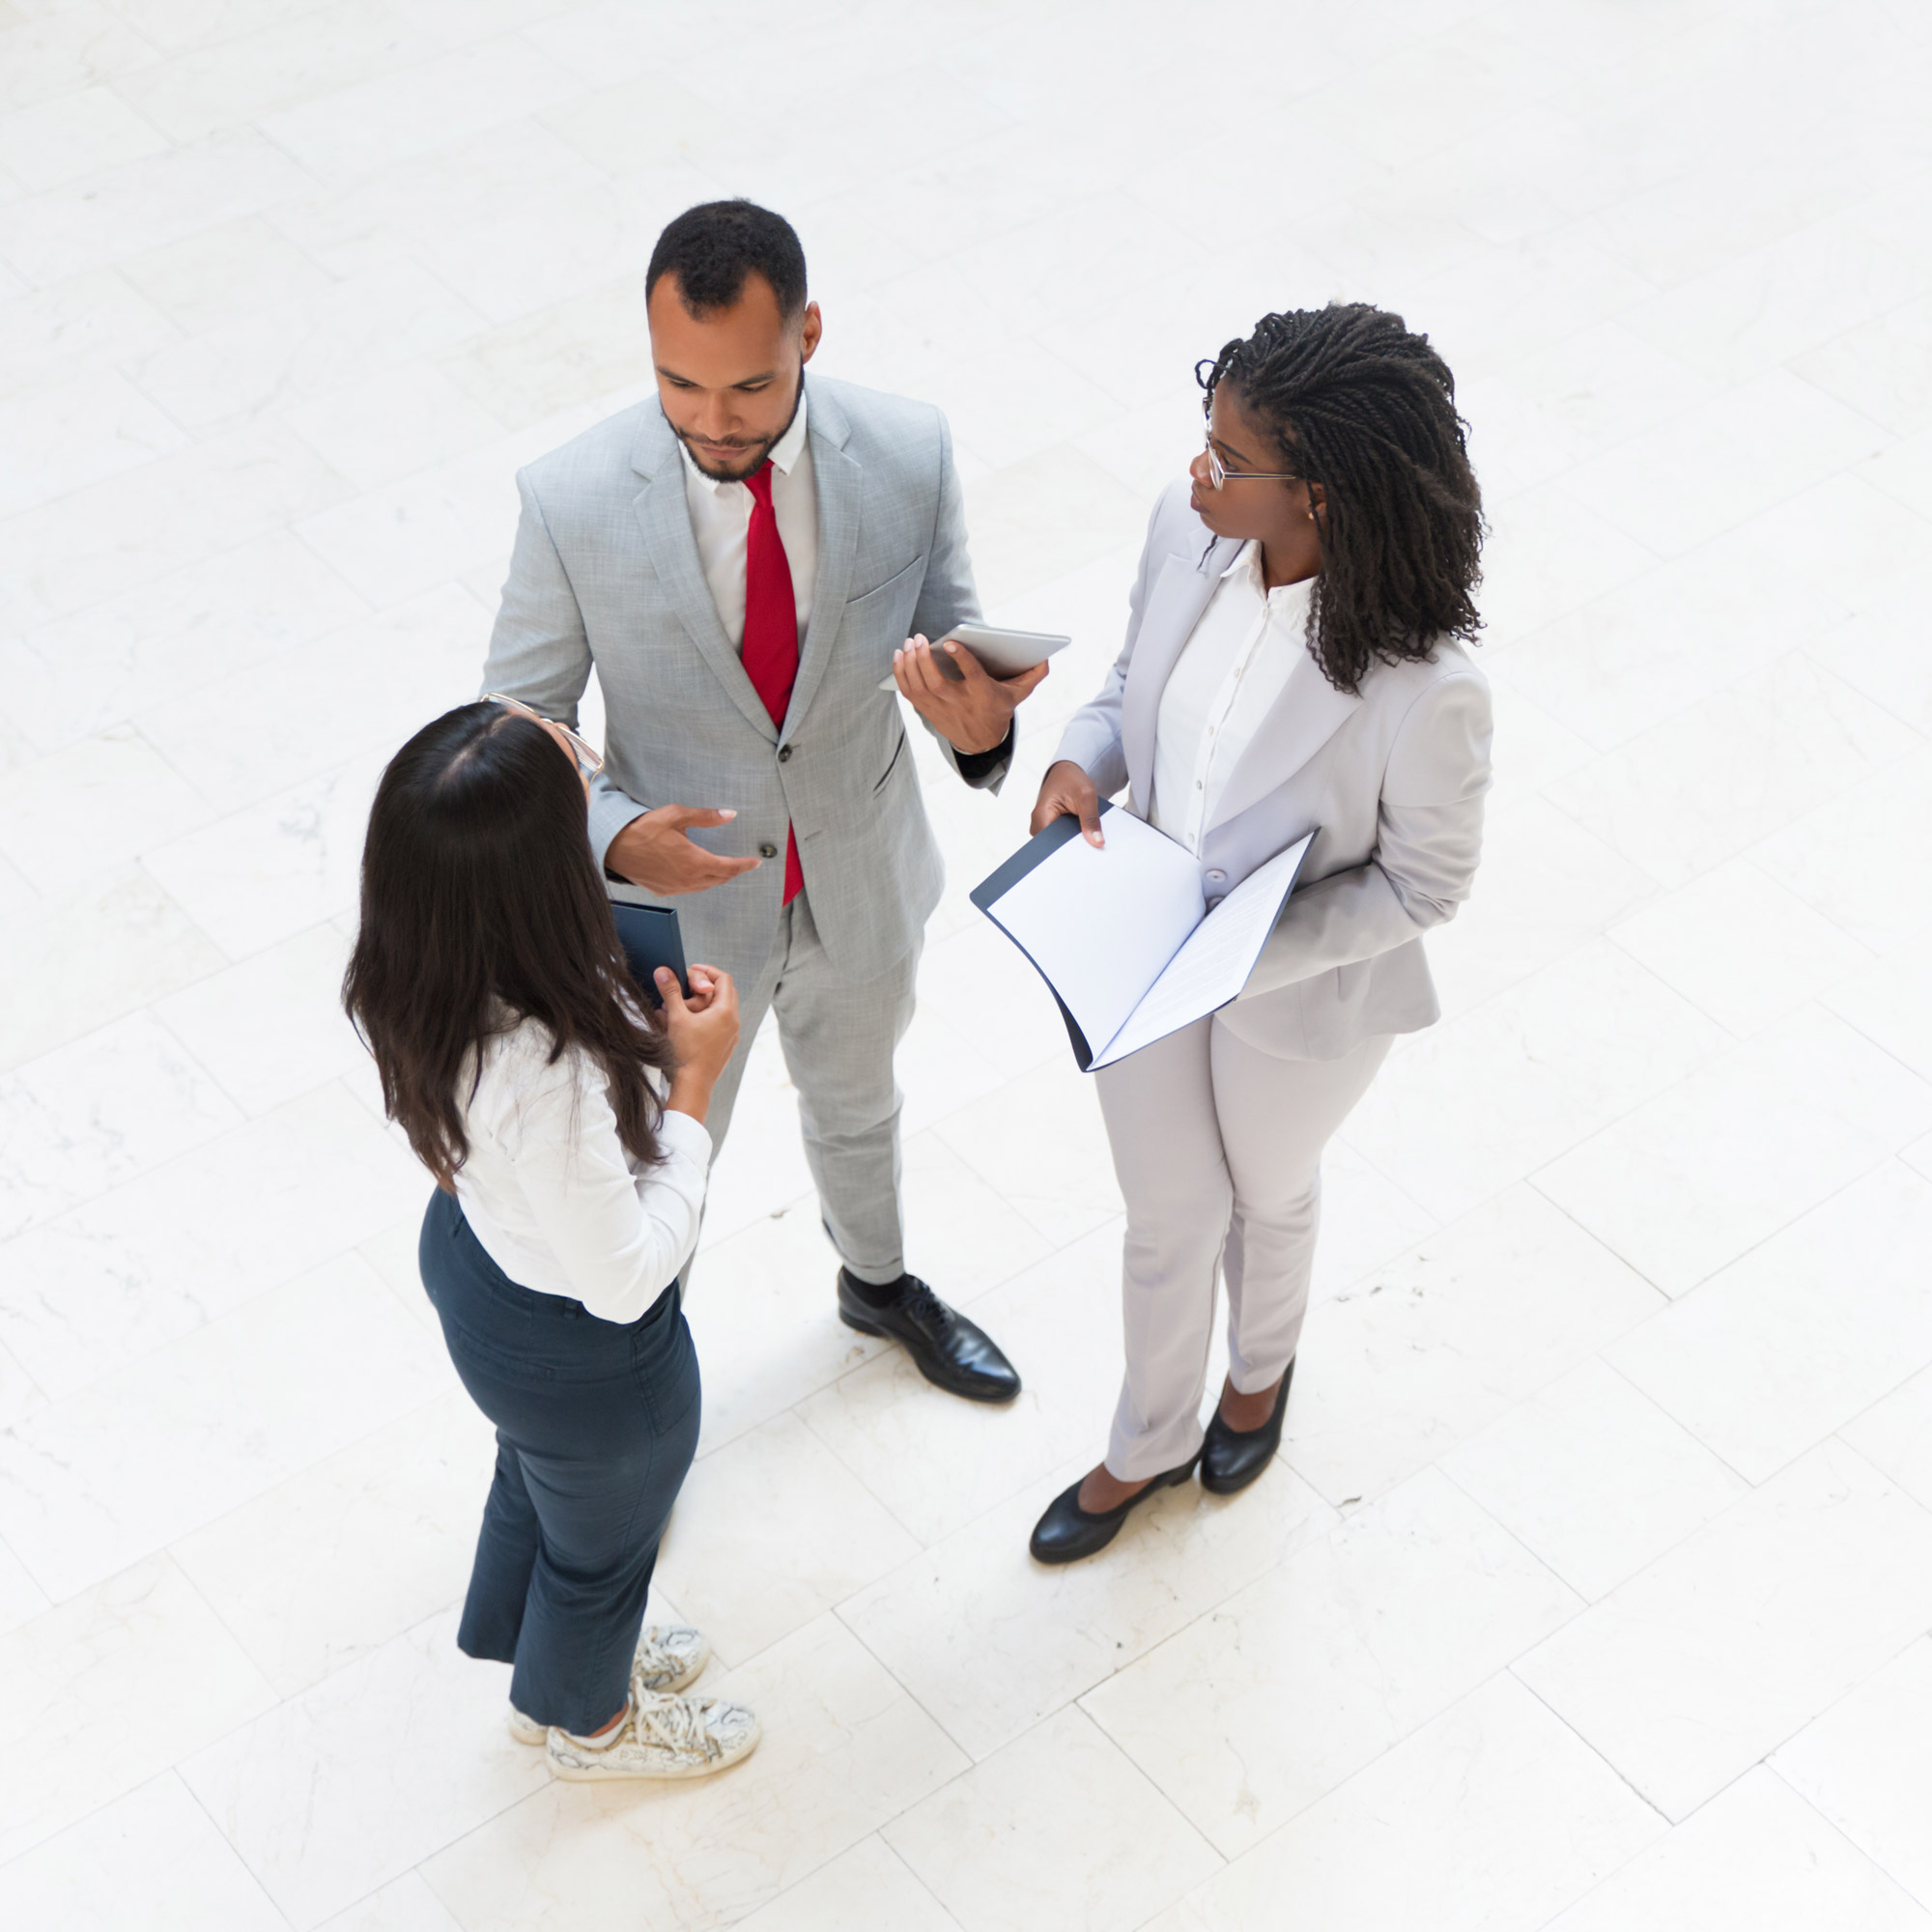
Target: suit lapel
838 481
664 518
1181 593
1307 714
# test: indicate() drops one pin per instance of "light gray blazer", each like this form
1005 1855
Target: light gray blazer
606 571
1390 780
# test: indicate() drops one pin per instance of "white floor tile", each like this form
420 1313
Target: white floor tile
1756 1859
1593 1477
1865 1766
1545 889
845 1748
1041 1146
140 1658
273 870
1687 1674
163 640
991 1642
97 1112
1803 1333
1716 779
404 1905
144 1455
1429 1348
1488 1819
97 947
1896 1434
869 1888
152 1862
60 818
1357 1638
148 1263
1864 860
354 1550
1740 947
1552 1060
348 1786
996 1845
273 1028
1694 1178
769 1532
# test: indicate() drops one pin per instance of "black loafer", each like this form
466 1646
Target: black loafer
1067 1532
1231 1459
948 1349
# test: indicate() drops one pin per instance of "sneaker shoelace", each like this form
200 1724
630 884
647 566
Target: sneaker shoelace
655 1659
675 1723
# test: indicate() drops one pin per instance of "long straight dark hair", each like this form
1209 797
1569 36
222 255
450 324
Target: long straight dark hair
479 894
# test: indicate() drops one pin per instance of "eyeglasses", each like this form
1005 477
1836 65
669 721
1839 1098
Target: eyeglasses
589 760
1219 474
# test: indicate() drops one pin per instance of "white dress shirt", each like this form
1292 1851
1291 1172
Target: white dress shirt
552 1195
1234 665
721 519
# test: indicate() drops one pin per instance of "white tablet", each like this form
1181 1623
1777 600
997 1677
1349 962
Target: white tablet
1001 652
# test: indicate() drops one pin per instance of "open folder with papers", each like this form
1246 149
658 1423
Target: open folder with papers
1122 934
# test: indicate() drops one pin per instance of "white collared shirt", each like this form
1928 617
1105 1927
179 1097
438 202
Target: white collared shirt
550 1191
1235 663
721 519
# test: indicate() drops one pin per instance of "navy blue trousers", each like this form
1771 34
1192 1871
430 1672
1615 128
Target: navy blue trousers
596 1425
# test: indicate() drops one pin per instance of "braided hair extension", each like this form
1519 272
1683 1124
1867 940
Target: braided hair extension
1367 409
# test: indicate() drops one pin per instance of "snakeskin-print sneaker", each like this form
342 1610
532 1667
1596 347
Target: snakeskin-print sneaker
660 1736
670 1657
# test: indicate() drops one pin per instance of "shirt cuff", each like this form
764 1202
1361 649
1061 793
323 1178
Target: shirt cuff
679 1133
980 768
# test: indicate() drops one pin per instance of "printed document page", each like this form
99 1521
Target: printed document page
1214 963
1101 925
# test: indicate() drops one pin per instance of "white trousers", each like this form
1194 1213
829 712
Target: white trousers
1218 1149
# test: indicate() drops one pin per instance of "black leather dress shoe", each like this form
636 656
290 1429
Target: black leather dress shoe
1231 1459
1067 1532
955 1353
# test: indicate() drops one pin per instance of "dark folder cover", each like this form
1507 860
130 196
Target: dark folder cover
996 885
650 937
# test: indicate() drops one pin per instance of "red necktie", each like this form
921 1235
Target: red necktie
771 629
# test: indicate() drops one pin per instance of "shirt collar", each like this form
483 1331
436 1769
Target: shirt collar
785 453
1284 598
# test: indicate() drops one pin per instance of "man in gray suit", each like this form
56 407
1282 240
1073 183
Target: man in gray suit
742 559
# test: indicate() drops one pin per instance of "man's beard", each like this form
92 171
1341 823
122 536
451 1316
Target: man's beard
755 453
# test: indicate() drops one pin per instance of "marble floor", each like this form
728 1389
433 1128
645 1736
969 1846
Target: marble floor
1593 1589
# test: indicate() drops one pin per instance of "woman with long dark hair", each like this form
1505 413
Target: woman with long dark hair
1293 664
564 1125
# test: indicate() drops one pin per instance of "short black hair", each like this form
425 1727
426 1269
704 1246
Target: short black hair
712 247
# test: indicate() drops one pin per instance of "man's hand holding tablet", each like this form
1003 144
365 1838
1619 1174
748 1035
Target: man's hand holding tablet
971 683
967 686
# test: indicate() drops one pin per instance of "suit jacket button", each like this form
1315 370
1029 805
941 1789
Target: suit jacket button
784 752
768 850
1217 877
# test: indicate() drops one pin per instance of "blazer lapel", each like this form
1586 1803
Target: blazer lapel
1307 714
664 517
838 481
1181 593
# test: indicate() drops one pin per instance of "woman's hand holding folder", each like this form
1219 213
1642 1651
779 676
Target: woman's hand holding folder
1068 792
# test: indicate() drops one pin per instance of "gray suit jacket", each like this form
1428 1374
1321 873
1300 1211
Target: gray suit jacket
1390 780
606 571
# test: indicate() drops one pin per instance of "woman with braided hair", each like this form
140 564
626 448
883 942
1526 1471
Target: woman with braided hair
1293 664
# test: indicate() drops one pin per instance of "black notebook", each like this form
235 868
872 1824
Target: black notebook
650 937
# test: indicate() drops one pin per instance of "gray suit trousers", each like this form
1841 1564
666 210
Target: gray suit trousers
839 1037
1218 1149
